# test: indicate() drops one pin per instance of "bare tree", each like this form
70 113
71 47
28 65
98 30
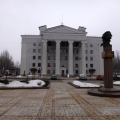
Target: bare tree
116 62
6 61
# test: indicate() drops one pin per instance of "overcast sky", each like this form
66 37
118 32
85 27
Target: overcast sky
19 17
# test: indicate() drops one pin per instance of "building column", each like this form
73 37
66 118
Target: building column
70 60
83 57
44 57
57 68
101 72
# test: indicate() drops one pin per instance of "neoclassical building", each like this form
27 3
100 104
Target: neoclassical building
61 50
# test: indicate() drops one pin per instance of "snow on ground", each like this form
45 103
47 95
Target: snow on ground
19 76
116 83
32 83
82 84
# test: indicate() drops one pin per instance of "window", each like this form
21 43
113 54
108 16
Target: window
86 71
86 51
34 44
91 51
86 65
91 58
76 71
39 57
86 58
34 50
39 64
53 64
48 57
48 64
39 50
48 71
86 45
91 45
66 71
91 65
39 44
34 57
76 65
65 58
33 64
76 58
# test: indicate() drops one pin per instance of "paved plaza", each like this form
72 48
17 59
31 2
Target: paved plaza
60 102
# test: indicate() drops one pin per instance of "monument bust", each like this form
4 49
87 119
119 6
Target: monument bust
106 39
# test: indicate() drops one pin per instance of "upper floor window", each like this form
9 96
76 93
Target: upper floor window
91 58
86 65
34 57
48 57
39 50
33 64
39 57
34 44
91 51
39 64
86 51
86 45
91 65
39 44
34 50
76 58
76 65
48 64
91 45
86 58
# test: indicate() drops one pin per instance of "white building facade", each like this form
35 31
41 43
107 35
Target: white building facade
61 50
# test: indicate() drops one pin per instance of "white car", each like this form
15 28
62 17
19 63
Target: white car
82 77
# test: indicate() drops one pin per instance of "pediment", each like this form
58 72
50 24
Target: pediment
63 29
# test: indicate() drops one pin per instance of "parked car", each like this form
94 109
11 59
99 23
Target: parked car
82 77
100 77
53 77
116 77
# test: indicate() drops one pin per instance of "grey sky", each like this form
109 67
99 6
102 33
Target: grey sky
19 17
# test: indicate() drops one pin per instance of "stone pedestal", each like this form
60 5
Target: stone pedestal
107 90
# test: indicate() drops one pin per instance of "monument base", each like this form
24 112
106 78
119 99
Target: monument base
104 92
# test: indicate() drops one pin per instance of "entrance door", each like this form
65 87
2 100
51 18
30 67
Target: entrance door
62 72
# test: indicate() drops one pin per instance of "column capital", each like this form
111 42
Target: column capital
83 42
58 41
70 42
44 41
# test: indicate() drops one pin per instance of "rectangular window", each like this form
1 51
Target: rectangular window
39 71
39 44
76 71
86 71
86 51
48 71
91 65
91 58
86 45
34 57
65 58
48 64
34 50
91 45
76 65
53 64
66 71
91 51
86 58
76 58
39 57
48 57
34 44
39 50
39 64
33 64
86 65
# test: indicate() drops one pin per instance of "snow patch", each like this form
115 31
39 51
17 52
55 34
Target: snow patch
116 83
32 83
82 84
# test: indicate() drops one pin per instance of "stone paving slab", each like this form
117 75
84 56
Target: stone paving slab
60 102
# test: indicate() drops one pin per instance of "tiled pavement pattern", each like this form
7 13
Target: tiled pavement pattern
60 102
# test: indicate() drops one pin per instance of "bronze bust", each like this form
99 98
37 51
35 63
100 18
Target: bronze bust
106 39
